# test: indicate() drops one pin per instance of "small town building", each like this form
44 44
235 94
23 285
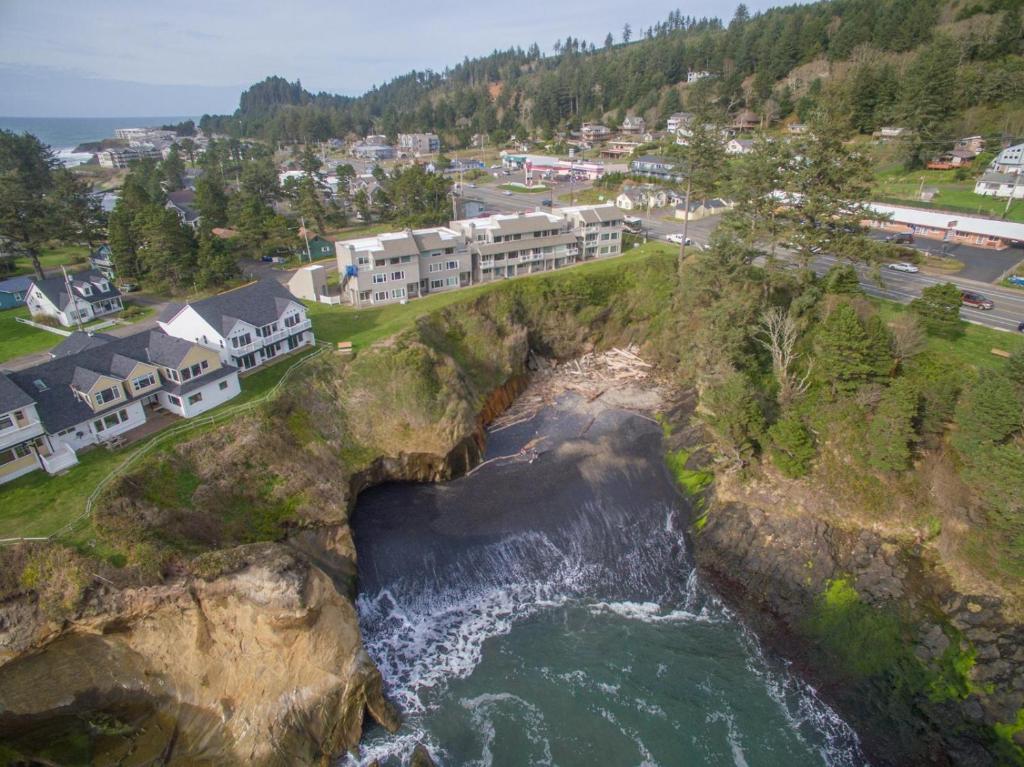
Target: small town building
633 125
1009 160
947 227
418 144
656 167
182 202
80 297
102 261
739 146
13 291
1005 185
697 74
702 208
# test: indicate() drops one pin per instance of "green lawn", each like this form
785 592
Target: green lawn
592 196
72 256
39 505
972 349
365 326
17 339
522 189
900 186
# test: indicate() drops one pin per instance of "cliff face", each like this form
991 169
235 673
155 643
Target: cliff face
927 674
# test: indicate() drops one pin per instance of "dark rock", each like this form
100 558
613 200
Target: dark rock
421 757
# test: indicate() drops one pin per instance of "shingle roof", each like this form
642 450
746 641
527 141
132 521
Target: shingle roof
167 350
257 304
55 289
15 285
11 397
83 378
79 341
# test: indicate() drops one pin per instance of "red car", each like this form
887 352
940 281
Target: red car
975 300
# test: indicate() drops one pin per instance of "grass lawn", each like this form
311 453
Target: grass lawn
38 504
17 339
523 189
365 326
900 186
972 349
590 196
75 257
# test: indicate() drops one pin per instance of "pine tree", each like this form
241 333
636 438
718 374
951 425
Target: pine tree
27 212
212 200
173 170
939 310
843 350
792 448
891 433
734 415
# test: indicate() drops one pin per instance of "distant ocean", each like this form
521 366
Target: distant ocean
63 134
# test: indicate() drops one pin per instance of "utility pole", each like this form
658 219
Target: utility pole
686 217
305 236
1013 194
71 297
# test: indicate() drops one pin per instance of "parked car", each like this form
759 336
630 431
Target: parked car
546 203
678 239
903 266
1020 327
126 286
975 300
507 193
900 238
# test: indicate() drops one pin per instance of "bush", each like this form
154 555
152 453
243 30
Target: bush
57 576
939 310
792 447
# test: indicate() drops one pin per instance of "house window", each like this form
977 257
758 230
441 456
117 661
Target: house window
435 267
362 261
243 339
6 422
292 320
397 276
143 381
452 282
223 385
107 395
451 265
173 400
406 259
16 452
398 293
197 397
364 295
379 279
436 284
381 295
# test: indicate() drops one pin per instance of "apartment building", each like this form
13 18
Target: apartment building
418 143
246 326
123 158
82 296
96 388
514 244
598 230
398 266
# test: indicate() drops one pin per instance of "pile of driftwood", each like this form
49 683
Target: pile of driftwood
590 376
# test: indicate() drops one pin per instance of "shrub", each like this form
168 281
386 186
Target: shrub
57 576
792 448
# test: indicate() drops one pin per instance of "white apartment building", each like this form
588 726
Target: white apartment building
397 266
419 143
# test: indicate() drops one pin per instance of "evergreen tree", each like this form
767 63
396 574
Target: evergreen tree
212 200
215 263
891 433
173 170
844 352
27 180
791 446
880 348
734 415
627 33
842 279
939 310
81 219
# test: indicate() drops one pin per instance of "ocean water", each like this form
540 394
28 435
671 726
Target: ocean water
544 610
63 134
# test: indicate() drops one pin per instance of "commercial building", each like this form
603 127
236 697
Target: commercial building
96 388
417 144
948 227
543 166
122 158
656 167
246 326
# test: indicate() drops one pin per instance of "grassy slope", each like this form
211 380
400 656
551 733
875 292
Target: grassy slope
953 194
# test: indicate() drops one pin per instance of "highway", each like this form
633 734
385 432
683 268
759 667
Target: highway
893 285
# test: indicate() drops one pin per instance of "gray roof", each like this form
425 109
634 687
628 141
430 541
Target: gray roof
257 304
55 289
79 341
992 177
15 285
493 248
11 397
523 224
599 214
650 159
58 406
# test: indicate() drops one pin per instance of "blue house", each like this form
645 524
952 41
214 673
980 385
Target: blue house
12 292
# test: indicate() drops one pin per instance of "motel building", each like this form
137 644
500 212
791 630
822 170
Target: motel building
948 227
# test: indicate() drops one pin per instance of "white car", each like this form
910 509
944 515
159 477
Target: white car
678 239
903 266
507 193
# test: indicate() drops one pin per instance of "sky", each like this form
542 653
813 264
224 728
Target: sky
116 58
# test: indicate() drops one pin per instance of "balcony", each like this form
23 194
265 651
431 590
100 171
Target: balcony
63 457
21 432
277 335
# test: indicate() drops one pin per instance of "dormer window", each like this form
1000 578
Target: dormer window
107 395
85 290
103 286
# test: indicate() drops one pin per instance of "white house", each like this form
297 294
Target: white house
631 199
91 295
96 388
246 326
697 74
739 146
1005 185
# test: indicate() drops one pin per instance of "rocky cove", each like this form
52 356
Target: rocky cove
231 635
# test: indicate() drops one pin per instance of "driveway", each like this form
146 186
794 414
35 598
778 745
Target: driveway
980 264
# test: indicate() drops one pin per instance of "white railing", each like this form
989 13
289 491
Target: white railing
63 457
277 335
20 433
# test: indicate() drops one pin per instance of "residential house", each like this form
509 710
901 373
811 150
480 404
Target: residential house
97 388
182 202
247 326
83 296
679 121
1005 185
416 144
316 248
397 266
972 144
594 131
890 133
13 291
631 199
697 74
620 148
739 146
309 283
656 167
745 120
102 261
1009 160
373 151
633 125
702 208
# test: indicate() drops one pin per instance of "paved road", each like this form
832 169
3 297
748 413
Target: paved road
980 264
